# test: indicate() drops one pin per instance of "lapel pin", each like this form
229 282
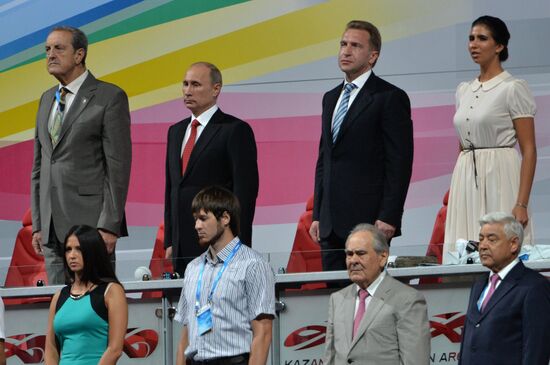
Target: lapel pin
84 101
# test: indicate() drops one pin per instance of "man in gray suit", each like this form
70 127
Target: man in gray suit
377 320
82 153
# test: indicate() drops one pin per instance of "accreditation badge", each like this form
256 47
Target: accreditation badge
204 320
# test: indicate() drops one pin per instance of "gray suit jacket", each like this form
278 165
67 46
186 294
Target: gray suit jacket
394 330
84 178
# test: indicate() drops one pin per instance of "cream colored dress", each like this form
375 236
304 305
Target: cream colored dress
483 120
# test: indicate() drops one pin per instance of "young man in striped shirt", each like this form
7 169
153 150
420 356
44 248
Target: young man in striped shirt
227 303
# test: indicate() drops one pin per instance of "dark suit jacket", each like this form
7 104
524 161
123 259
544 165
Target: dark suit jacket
84 178
394 330
365 174
225 154
514 328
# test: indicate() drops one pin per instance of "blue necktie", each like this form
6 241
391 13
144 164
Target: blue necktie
342 110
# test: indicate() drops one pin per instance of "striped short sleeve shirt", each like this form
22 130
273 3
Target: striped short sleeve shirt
245 291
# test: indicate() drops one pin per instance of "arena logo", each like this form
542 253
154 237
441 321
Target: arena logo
306 337
449 325
30 348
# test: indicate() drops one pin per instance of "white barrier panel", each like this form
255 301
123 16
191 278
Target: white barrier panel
26 334
299 331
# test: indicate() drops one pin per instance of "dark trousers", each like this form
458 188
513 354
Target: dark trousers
333 256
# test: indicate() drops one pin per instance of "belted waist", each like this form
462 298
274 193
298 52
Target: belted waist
230 360
472 148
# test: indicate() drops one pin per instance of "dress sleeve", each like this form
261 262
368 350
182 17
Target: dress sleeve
521 103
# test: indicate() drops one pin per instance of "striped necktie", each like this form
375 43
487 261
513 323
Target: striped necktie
342 110
55 128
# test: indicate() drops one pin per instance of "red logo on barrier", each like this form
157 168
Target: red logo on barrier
140 344
30 348
306 337
448 324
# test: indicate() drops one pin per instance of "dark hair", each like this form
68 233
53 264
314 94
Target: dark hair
215 74
218 200
375 38
97 265
79 39
498 30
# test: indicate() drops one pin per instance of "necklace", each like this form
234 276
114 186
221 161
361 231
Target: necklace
78 296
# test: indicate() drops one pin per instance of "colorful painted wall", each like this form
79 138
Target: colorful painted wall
277 58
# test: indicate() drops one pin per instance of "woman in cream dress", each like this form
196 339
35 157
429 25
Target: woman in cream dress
494 112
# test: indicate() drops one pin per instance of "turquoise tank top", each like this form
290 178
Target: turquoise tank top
81 327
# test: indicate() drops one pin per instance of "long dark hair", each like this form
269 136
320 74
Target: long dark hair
97 265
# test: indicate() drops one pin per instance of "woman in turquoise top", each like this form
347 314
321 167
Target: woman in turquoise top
88 318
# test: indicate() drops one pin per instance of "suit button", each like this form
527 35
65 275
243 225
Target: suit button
350 361
53 161
477 325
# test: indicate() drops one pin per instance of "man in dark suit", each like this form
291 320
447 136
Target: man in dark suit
208 148
366 149
82 153
508 318
377 320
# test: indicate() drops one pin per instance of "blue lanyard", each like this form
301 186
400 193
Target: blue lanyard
215 284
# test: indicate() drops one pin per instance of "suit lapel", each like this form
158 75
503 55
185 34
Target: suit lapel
328 112
349 307
211 129
360 103
375 306
177 145
473 311
81 100
505 286
44 115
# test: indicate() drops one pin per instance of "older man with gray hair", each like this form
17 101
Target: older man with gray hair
508 318
376 320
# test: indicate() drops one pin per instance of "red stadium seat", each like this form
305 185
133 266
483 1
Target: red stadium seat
158 264
306 253
26 267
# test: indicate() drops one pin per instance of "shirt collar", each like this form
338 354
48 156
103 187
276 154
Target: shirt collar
361 80
502 273
205 117
224 252
490 84
75 85
375 284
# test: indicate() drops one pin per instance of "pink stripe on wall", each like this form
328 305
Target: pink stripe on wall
243 105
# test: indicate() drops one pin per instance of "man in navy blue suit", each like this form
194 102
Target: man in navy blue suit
508 319
366 150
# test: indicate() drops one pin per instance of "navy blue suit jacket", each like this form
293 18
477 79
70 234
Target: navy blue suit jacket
514 328
364 175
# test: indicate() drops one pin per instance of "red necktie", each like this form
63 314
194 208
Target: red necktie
494 280
189 146
363 294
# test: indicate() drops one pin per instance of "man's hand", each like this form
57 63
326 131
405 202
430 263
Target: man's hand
314 231
386 228
168 254
110 240
37 243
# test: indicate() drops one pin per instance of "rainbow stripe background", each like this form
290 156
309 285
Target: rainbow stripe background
277 59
